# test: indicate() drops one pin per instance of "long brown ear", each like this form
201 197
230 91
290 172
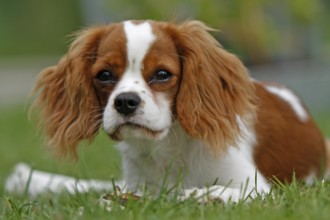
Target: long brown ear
69 109
216 91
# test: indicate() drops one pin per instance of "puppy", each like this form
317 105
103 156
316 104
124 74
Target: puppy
183 109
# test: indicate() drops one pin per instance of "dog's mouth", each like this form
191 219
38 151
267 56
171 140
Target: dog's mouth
134 129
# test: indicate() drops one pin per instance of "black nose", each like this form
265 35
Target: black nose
127 103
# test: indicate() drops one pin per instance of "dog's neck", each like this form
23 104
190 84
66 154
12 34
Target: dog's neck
149 161
174 158
172 147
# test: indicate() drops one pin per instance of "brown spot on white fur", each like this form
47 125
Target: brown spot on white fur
285 144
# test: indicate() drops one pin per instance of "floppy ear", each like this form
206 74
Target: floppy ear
70 110
216 93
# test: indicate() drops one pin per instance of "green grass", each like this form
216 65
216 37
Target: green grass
19 141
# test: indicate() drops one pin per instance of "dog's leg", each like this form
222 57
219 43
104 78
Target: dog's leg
34 182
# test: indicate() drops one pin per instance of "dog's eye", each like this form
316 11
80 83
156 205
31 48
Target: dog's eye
106 77
160 76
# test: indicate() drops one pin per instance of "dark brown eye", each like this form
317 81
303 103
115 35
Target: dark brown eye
106 77
160 76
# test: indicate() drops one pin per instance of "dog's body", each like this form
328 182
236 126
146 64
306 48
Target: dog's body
184 110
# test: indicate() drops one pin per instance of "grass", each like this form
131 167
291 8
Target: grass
19 141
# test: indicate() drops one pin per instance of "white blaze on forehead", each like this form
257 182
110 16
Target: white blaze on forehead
291 99
139 38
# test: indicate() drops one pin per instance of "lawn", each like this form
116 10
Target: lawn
20 142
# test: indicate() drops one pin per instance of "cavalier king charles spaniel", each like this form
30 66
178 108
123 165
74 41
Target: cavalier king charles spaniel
183 109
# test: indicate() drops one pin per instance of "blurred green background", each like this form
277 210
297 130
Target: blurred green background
260 31
284 41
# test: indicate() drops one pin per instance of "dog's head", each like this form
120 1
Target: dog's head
137 78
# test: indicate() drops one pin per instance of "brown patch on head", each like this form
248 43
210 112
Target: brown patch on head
162 55
215 87
111 56
70 99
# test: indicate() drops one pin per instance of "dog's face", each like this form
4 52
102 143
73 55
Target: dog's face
137 78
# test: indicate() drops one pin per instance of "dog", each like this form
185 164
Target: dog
180 106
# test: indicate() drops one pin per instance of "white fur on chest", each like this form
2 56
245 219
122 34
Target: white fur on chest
180 159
